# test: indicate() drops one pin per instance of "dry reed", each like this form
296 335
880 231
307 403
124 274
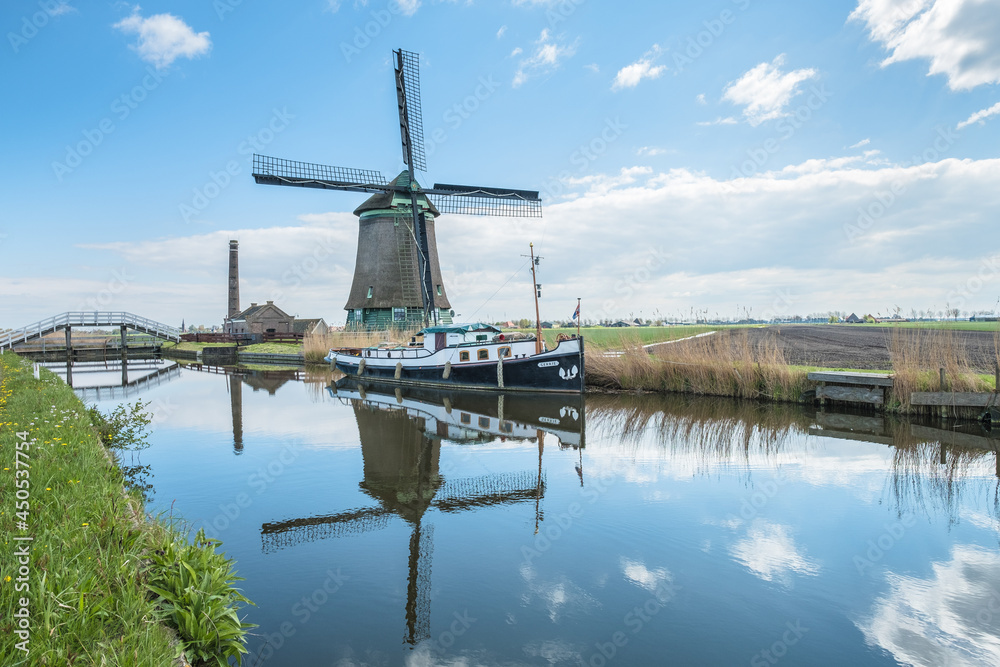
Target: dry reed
726 363
316 346
918 355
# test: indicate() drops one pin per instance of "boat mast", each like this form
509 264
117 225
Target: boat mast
537 290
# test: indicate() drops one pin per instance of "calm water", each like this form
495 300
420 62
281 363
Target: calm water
429 529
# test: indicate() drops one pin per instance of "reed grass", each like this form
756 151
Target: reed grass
726 363
317 346
919 354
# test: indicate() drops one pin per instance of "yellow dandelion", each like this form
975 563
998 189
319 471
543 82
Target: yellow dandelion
86 524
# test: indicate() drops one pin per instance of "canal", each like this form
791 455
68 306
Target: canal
383 527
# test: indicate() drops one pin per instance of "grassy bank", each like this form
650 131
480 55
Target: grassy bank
728 363
89 573
723 364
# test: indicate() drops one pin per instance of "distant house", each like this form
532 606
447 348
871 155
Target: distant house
546 325
259 319
622 323
312 327
853 319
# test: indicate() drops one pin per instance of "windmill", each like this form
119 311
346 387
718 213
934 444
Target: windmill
401 473
397 278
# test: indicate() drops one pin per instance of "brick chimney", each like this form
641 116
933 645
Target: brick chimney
234 278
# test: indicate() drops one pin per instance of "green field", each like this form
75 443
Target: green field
604 337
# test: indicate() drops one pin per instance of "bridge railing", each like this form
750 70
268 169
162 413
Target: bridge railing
93 318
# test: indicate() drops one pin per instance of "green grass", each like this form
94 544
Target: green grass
604 337
187 346
273 348
88 562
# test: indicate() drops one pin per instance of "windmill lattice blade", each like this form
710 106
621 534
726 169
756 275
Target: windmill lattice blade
497 489
477 200
278 171
282 534
414 114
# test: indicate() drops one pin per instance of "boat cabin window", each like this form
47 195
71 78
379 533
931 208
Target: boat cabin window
463 356
482 354
465 418
484 422
480 337
503 352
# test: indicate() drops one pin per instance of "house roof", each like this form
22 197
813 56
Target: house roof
257 309
306 326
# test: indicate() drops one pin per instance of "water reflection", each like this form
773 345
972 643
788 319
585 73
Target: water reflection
401 432
931 467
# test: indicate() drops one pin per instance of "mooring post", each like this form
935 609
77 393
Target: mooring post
996 377
69 342
941 455
124 331
943 386
69 371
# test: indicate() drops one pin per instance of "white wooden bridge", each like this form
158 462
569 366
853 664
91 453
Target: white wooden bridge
66 321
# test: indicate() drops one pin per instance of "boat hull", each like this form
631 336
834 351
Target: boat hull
559 370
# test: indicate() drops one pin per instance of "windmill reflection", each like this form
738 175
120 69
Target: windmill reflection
401 432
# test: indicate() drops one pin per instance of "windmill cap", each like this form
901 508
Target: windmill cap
384 200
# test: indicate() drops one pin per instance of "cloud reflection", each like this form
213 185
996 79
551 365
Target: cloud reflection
769 551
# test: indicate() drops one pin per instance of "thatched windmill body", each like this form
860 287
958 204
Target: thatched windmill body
397 277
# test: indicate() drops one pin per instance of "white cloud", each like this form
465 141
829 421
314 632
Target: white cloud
960 38
501 31
651 151
980 116
769 551
701 99
333 6
765 90
516 52
60 9
728 120
162 38
949 618
630 75
642 576
408 7
547 56
593 67
863 142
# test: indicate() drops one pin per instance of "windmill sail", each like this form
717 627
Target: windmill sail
477 200
411 122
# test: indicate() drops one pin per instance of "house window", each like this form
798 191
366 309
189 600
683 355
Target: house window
399 314
439 290
463 356
503 352
359 314
483 354
370 290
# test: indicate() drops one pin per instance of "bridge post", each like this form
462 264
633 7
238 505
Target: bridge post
69 342
124 331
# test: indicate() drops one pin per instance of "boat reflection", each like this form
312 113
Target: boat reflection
401 432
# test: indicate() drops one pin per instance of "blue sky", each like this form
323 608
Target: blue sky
720 157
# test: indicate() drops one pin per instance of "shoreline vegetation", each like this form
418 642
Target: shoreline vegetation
88 578
728 362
